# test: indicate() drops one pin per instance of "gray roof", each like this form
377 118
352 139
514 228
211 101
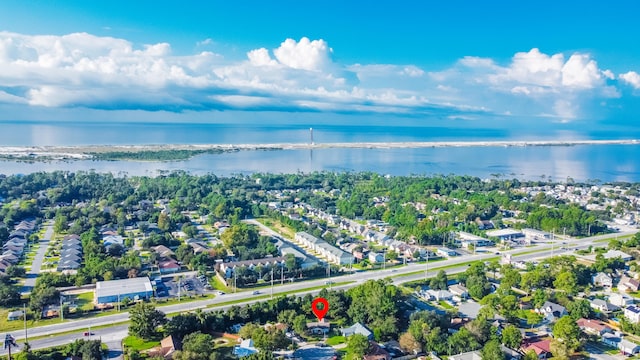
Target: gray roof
124 286
469 309
356 328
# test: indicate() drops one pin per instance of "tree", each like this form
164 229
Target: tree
579 308
409 343
181 325
567 331
300 324
492 351
198 343
566 281
358 344
145 320
440 281
9 295
85 349
511 337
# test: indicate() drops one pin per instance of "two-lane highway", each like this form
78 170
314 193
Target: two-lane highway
410 272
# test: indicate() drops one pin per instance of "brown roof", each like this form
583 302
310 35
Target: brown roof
542 346
592 324
376 352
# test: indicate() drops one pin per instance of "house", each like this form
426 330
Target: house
603 306
377 352
376 257
542 348
616 340
602 279
15 315
199 247
632 313
167 347
471 355
459 291
594 327
318 328
168 266
163 251
357 328
485 224
628 348
439 294
245 348
628 284
552 311
620 299
469 309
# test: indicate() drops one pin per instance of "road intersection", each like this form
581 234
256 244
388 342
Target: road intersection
60 334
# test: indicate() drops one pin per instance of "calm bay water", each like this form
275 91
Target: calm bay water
604 162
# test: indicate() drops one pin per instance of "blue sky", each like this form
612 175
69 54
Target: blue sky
559 62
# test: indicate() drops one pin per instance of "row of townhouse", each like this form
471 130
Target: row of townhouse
70 254
326 250
13 248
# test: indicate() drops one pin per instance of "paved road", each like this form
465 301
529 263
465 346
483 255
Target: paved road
543 251
36 265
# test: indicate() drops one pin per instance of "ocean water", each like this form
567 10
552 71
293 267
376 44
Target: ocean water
583 162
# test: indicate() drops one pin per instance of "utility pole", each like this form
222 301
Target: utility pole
61 312
384 259
553 240
281 274
235 281
589 231
426 271
272 282
179 287
24 316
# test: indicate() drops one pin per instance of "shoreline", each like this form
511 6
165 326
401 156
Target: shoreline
101 152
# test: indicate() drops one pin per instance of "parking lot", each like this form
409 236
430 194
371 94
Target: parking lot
182 285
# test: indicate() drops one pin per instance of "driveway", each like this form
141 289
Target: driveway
598 352
36 265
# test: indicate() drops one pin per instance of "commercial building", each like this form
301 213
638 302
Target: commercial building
116 290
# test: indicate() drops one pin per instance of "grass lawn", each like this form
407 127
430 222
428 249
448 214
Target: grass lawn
136 343
445 305
218 284
278 227
336 340
85 301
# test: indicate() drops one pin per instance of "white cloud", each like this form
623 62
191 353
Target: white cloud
260 57
83 70
305 54
632 78
581 72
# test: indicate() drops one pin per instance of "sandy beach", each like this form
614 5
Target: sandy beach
86 152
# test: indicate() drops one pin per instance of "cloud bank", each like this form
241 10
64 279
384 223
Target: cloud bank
81 70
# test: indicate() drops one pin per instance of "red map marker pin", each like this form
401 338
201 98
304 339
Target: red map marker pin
320 313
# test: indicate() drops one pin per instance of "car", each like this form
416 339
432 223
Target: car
87 333
329 282
497 253
219 293
256 292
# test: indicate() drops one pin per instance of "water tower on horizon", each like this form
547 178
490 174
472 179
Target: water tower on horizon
311 135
